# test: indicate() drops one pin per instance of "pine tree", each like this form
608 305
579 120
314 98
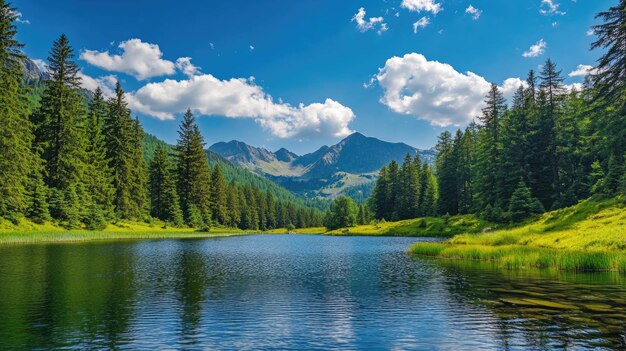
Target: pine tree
270 205
233 206
515 145
381 195
611 70
140 202
60 120
219 196
446 165
17 159
522 204
194 175
61 130
97 173
118 132
394 191
163 196
489 158
38 209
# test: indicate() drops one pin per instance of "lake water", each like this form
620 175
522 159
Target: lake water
294 292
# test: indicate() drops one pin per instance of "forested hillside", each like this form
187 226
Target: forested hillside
83 161
551 148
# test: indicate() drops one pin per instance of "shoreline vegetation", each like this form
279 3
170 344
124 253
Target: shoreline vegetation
589 237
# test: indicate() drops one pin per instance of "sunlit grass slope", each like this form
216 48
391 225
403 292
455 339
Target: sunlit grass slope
423 227
28 232
590 236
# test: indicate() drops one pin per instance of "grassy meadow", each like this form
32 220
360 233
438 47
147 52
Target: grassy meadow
590 236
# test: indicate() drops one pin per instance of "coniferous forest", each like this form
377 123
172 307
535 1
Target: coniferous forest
77 158
551 148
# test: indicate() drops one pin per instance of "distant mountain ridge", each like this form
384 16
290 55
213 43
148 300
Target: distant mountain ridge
327 172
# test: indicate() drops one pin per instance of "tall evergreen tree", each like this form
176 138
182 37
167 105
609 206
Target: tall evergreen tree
163 196
194 175
17 159
489 158
219 197
97 173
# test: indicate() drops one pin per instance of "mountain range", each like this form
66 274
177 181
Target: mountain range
331 170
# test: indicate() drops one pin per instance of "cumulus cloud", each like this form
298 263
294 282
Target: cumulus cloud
106 83
241 98
510 86
421 23
139 59
435 91
536 49
184 65
550 7
474 12
582 71
422 5
363 24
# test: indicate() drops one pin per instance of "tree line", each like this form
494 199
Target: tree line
550 149
79 160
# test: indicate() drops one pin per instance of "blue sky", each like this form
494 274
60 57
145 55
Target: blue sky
325 55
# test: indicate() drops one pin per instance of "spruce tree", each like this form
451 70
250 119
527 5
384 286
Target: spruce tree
611 39
97 172
219 196
489 158
193 173
118 132
522 204
17 159
270 205
140 202
60 133
163 196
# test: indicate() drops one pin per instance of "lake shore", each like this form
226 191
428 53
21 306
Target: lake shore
587 237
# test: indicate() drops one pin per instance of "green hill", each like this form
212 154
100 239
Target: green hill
236 174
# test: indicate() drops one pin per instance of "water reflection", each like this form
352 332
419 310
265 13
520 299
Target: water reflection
293 292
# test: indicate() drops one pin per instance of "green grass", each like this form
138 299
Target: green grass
422 227
26 232
590 236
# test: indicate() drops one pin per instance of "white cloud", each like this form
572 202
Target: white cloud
364 25
19 18
471 10
251 48
106 83
184 65
536 49
590 32
241 98
510 86
139 59
422 5
582 71
435 91
550 7
421 23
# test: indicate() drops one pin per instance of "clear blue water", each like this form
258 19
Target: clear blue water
293 293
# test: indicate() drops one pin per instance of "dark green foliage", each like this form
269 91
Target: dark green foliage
611 69
342 214
38 209
17 160
193 173
522 204
219 196
164 199
97 172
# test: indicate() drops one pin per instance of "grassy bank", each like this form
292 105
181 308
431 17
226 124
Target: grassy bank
590 236
421 227
27 232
